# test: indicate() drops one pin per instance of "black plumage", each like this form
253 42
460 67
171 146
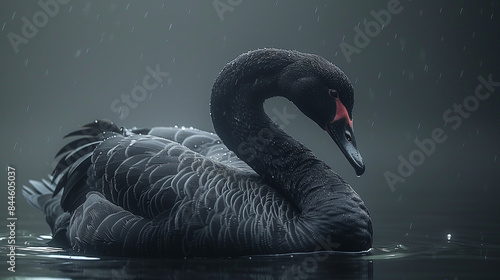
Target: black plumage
175 191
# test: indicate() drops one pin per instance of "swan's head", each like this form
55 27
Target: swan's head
324 93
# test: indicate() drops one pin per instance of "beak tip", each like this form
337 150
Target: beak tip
360 170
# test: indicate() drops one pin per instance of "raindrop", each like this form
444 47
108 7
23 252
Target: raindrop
316 10
462 73
28 108
46 72
133 27
442 38
13 15
448 236
411 76
477 131
3 25
373 122
189 12
78 53
170 27
15 145
379 74
440 10
491 16
26 62
162 5
495 159
146 14
126 9
418 128
300 27
411 224
97 17
70 9
461 10
317 19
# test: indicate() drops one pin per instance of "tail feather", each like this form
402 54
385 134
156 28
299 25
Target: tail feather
40 195
76 160
93 133
66 189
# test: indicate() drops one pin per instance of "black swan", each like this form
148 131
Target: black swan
182 192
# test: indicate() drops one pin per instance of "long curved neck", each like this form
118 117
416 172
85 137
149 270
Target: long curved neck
239 119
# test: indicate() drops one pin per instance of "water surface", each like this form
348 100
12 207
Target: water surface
467 254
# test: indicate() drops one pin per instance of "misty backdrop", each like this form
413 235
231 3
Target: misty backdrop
426 77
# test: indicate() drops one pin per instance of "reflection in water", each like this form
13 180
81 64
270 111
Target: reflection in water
35 259
438 258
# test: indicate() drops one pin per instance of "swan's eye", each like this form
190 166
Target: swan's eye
348 136
333 93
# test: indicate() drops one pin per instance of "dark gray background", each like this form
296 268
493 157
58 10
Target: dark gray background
425 60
